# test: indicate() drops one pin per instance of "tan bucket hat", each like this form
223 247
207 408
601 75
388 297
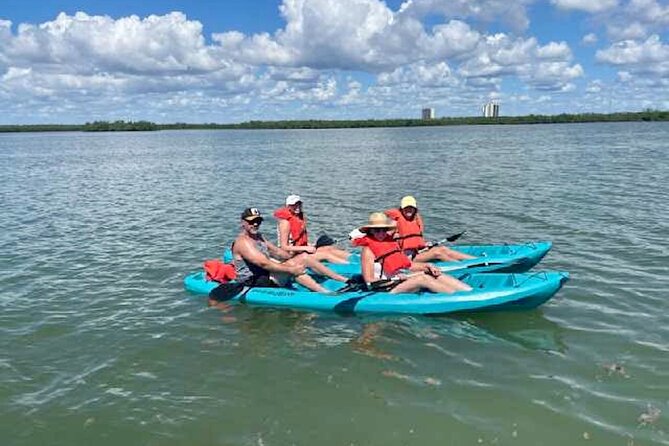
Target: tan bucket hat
378 220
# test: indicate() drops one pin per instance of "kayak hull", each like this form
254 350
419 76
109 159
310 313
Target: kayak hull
491 292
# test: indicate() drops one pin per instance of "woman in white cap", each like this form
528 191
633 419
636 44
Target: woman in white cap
410 235
382 258
293 237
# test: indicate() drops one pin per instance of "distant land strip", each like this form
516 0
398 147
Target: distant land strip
124 126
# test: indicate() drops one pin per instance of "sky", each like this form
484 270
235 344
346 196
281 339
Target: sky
224 61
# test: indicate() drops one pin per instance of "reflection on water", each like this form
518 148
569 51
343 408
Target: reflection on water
366 334
531 330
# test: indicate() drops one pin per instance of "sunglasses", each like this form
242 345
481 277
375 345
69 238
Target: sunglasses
254 222
378 229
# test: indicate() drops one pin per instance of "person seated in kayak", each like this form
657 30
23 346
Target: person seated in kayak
293 237
410 235
382 259
255 265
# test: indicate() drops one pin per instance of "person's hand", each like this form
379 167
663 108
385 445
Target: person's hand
401 277
309 249
433 270
297 270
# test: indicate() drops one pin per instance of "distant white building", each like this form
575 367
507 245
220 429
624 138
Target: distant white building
491 109
427 113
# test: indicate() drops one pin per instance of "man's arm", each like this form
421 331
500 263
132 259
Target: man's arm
252 254
278 253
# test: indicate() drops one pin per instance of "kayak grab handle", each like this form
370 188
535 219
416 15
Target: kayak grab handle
540 274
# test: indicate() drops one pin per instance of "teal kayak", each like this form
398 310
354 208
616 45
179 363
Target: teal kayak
491 292
488 258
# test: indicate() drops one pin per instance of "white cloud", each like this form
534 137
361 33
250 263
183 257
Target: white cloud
586 5
543 67
512 14
649 11
435 75
353 95
589 39
595 86
625 76
627 30
647 57
154 45
634 19
553 76
165 66
332 33
554 51
255 50
299 75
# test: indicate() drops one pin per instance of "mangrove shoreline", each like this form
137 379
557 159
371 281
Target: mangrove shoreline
124 126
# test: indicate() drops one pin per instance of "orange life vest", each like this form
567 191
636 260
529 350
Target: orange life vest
298 226
387 252
410 231
218 271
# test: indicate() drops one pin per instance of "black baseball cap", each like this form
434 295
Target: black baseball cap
251 214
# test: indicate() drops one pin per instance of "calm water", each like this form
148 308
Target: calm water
100 344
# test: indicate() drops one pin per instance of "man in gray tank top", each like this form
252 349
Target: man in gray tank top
254 258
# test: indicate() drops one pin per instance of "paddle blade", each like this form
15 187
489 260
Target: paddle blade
226 291
454 237
354 283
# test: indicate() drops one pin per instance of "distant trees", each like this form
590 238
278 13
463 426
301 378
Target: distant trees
119 126
125 126
648 115
39 128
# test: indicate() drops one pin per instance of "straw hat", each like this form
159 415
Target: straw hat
377 220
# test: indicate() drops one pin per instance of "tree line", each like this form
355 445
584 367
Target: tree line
125 126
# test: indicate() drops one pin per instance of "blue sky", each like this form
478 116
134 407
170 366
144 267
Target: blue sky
231 61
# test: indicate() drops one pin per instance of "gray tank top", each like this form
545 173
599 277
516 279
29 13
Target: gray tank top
247 271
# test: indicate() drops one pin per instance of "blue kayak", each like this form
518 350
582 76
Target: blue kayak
491 292
488 258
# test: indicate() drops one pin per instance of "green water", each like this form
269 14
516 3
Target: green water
100 344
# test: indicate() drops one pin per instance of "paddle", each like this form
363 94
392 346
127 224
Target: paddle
326 240
389 284
355 283
445 269
450 238
226 291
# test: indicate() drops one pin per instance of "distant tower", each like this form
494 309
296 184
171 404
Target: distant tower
491 110
427 113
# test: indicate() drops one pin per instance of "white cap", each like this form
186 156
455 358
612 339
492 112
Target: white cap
356 233
292 199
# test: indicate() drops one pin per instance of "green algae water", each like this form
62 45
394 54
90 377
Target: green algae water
100 344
